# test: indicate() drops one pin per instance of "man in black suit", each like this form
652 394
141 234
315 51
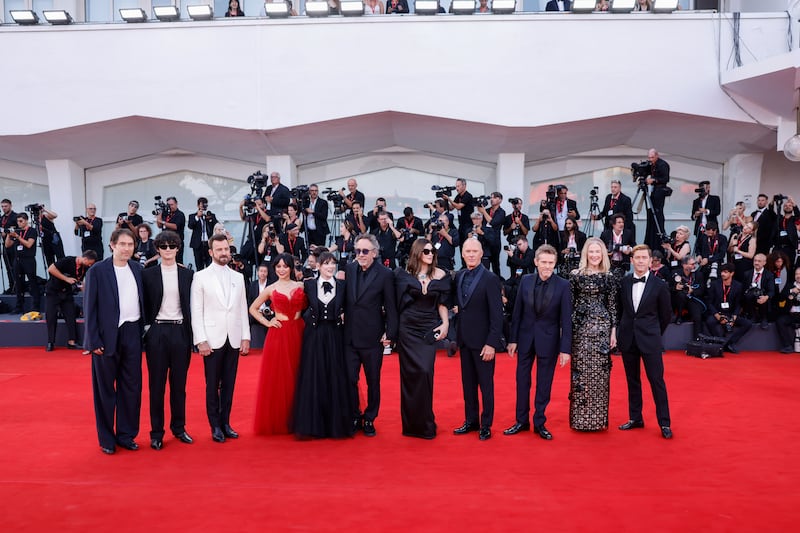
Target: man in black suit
541 327
464 203
724 306
619 242
479 328
202 225
554 5
616 202
494 218
277 196
760 293
705 208
168 342
316 220
646 313
688 288
767 220
113 303
23 241
563 207
371 320
784 236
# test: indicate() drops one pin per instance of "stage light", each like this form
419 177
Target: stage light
200 12
167 13
277 10
583 6
57 17
791 149
133 14
351 8
622 6
316 8
463 7
426 7
665 6
24 17
504 7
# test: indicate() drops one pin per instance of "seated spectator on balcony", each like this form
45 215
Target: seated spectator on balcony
602 5
334 8
788 320
677 248
483 7
687 287
643 5
724 305
373 7
233 9
759 292
558 5
396 6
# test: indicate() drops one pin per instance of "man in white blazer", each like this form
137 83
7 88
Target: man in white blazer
221 331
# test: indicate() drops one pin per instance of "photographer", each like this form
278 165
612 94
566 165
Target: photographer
90 230
784 236
563 207
465 204
658 268
356 218
743 249
65 279
724 304
767 220
438 208
687 286
410 228
788 320
292 243
52 245
710 250
173 220
146 253
130 219
545 228
201 223
516 223
737 219
266 250
8 220
23 240
658 177
478 231
759 292
494 217
276 197
353 195
345 245
253 212
705 208
571 242
387 237
520 261
677 248
316 217
619 242
616 203
372 217
291 215
444 238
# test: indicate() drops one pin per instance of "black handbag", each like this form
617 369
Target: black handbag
705 346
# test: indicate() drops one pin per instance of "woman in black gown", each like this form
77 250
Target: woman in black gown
422 292
322 399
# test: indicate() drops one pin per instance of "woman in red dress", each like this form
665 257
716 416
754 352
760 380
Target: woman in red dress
281 356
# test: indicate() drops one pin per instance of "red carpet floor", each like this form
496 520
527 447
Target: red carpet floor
732 465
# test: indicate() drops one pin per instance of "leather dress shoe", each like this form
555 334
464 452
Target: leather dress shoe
632 424
542 432
764 324
74 346
184 437
217 435
466 428
452 348
485 433
129 445
229 432
666 432
678 321
732 348
49 347
156 444
369 428
107 451
787 349
516 428
358 423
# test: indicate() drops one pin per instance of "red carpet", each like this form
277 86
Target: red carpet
732 465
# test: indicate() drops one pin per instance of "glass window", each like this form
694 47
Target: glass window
98 11
122 4
41 5
13 5
22 193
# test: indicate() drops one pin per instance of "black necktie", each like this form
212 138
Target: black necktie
639 280
327 287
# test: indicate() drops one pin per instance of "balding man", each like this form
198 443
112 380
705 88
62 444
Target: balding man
90 230
658 179
353 195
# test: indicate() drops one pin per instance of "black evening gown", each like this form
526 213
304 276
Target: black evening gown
418 316
322 401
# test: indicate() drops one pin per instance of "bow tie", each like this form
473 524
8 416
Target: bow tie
327 287
639 280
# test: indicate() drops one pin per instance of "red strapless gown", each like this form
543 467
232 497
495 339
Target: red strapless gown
279 366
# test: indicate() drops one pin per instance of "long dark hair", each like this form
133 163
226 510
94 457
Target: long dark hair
288 260
415 258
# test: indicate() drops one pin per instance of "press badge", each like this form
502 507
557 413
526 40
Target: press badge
725 305
87 233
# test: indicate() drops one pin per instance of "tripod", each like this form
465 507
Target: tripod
594 216
643 196
248 235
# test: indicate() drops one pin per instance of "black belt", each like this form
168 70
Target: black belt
172 322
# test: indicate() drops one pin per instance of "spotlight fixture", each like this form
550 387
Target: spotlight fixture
463 7
277 10
622 6
582 6
133 14
200 12
24 17
665 6
426 7
167 13
351 8
57 17
791 149
316 8
504 7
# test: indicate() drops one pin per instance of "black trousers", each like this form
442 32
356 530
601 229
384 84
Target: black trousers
740 328
545 370
786 325
372 361
25 267
169 350
201 257
654 369
477 373
8 260
315 236
220 370
117 387
694 309
66 303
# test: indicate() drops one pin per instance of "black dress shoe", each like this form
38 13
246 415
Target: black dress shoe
184 437
632 424
229 432
678 321
666 432
452 348
466 428
732 348
764 324
542 432
107 451
516 428
73 346
129 445
369 428
49 347
358 423
217 435
787 349
485 433
156 444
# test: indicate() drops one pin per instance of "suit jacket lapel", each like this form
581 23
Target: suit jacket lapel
627 286
647 289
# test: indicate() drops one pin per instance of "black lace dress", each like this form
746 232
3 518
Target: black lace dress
594 304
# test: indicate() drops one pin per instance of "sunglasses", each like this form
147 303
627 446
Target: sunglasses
362 251
167 246
427 251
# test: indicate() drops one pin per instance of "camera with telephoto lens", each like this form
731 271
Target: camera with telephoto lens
77 218
333 196
160 206
257 182
666 238
405 234
754 292
301 195
436 226
10 229
443 191
714 271
573 253
34 209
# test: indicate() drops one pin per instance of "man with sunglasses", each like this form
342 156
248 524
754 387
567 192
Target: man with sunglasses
168 341
371 320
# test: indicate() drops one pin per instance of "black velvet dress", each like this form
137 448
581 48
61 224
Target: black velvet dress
418 315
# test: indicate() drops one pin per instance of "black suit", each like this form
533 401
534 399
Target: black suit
639 335
727 303
552 5
199 241
766 283
317 236
622 204
117 372
370 311
683 301
281 198
169 349
479 322
767 221
712 204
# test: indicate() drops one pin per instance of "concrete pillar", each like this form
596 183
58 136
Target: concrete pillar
285 165
67 198
741 180
511 178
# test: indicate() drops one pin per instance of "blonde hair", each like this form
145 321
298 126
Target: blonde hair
605 263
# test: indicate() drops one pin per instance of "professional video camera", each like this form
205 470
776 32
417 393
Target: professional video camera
482 200
257 182
779 198
640 170
301 194
34 209
442 191
249 206
160 206
334 197
701 191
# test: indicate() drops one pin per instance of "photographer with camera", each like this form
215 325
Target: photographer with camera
131 218
52 244
372 217
478 232
316 217
292 243
653 176
145 252
387 236
201 223
619 242
545 229
410 228
688 286
266 246
90 230
616 203
760 291
352 195
438 208
677 247
788 320
8 220
291 215
710 250
253 212
563 207
571 242
494 217
23 240
344 244
767 220
465 204
444 238
172 219
356 218
784 236
516 223
743 249
277 197
66 277
724 304
705 208
520 262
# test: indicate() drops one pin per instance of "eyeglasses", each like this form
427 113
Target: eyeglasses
427 251
167 246
362 251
